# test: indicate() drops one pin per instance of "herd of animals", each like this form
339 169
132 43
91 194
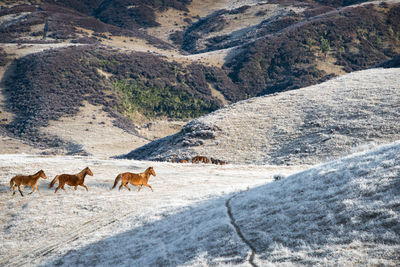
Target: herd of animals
75 180
200 159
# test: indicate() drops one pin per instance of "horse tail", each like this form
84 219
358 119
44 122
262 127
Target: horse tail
117 180
54 181
12 182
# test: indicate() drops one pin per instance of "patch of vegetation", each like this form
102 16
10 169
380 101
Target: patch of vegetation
154 71
324 44
284 62
135 13
62 22
160 101
84 6
329 3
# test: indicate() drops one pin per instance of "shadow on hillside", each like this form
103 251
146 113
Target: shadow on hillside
201 231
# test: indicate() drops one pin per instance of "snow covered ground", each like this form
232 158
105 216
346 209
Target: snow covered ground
342 213
345 212
37 229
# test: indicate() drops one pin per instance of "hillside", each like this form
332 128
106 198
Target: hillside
344 212
58 82
355 111
153 62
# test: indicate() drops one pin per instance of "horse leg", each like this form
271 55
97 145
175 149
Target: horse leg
37 189
126 185
75 187
85 187
120 186
33 189
149 186
14 189
58 187
140 187
19 189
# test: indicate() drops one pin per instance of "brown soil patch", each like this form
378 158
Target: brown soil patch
328 65
93 129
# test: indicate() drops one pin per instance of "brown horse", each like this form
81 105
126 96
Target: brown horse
139 179
29 180
218 161
71 180
174 160
200 159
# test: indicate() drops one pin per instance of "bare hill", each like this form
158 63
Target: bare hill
307 126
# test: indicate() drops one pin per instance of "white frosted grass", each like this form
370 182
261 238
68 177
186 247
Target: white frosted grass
37 228
345 213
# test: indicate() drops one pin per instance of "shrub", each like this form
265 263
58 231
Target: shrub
324 44
155 101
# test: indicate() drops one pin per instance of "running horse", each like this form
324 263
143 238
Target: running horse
71 180
28 180
139 179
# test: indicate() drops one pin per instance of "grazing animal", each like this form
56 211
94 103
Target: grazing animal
71 180
28 180
139 179
218 161
174 160
200 159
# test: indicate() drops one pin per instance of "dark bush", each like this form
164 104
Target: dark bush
3 57
355 37
134 13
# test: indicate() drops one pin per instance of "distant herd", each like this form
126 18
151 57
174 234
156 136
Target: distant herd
75 180
200 159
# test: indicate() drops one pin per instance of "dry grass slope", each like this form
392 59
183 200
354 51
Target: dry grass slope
305 126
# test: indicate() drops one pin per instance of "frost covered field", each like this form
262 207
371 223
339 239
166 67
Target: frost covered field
345 212
178 223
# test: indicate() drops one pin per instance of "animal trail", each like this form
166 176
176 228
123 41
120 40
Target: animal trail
239 231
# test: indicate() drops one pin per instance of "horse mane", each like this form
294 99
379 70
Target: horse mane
85 170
